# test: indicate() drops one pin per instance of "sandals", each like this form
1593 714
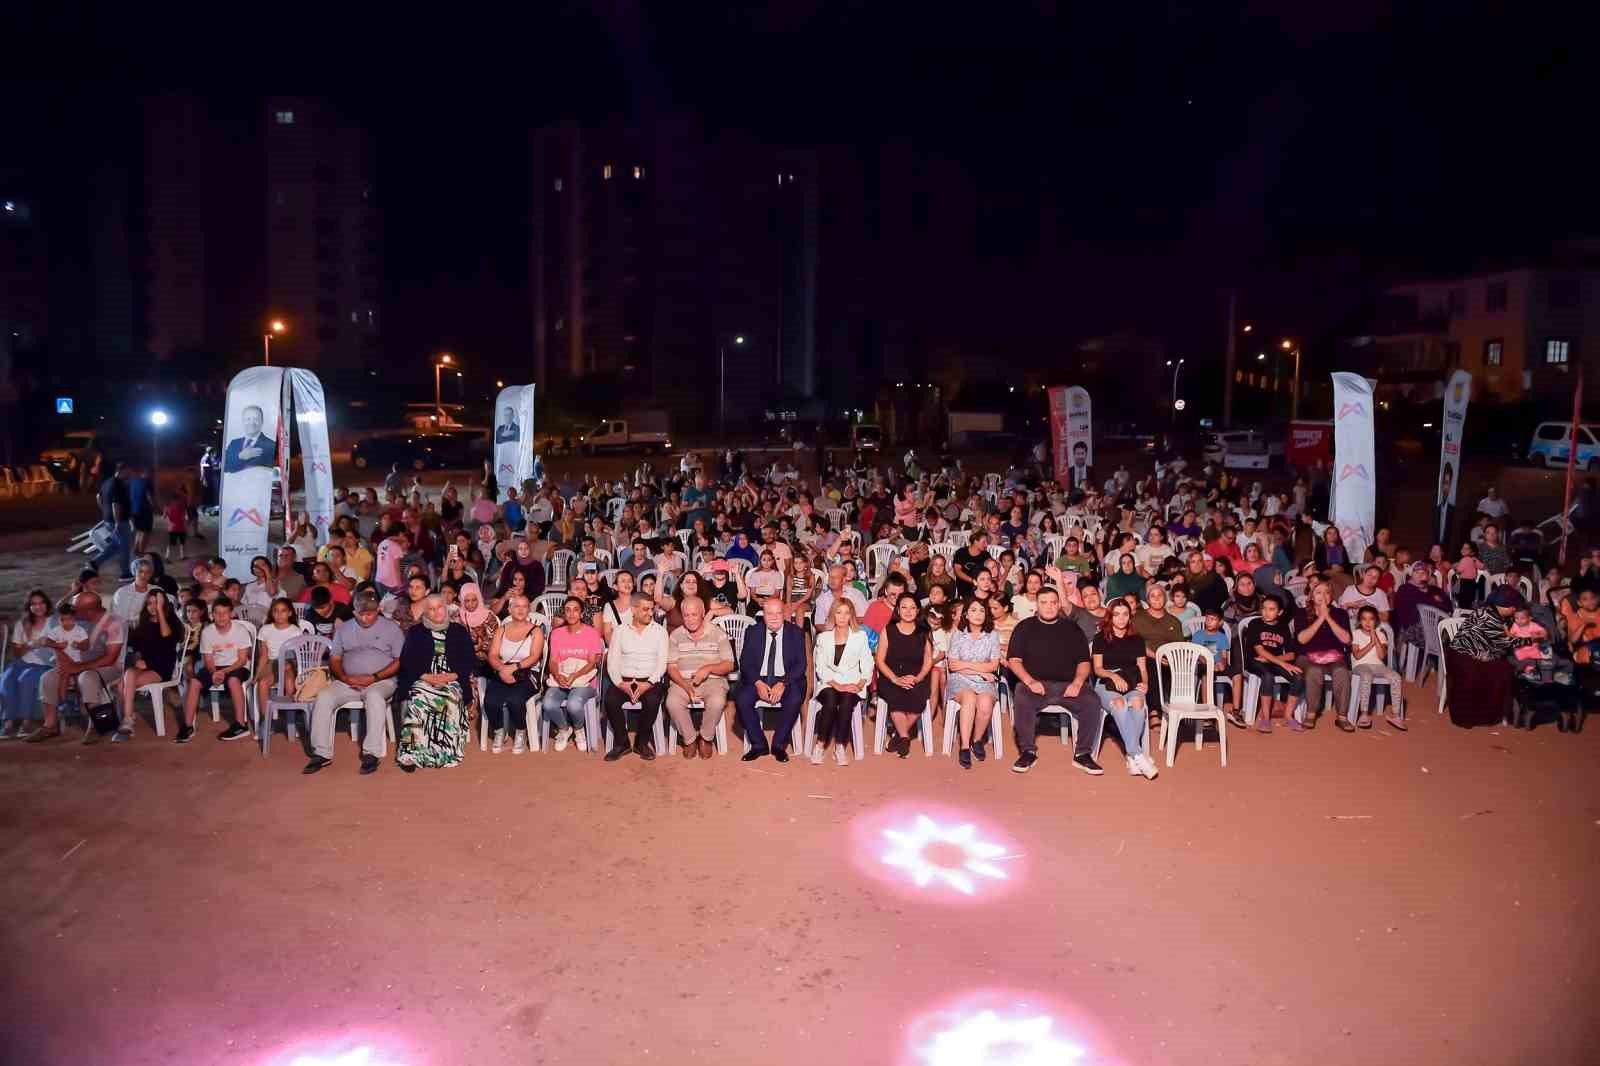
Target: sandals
1395 723
1364 721
1264 724
1344 725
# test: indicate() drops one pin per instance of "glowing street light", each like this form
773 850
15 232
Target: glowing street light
722 382
158 419
274 328
1248 327
445 359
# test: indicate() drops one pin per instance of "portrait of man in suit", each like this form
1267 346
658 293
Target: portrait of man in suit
254 447
1078 472
508 432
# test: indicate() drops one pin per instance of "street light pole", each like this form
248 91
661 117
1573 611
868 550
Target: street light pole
266 340
1294 400
445 359
158 418
722 383
1175 368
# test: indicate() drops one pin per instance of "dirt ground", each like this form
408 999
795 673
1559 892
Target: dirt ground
1375 898
1328 899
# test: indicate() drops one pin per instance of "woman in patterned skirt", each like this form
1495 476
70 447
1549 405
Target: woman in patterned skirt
434 686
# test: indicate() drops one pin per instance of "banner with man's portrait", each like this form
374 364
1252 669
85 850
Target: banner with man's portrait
513 438
249 457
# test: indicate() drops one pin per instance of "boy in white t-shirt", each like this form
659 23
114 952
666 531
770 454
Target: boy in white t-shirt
66 634
226 646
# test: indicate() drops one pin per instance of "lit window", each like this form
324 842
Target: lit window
605 172
558 185
780 179
1557 351
353 316
1493 352
285 118
638 172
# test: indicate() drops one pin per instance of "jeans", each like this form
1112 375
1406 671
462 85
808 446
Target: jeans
1130 712
120 548
502 701
19 691
1085 707
563 707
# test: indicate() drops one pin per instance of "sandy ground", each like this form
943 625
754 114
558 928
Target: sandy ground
1377 898
1419 898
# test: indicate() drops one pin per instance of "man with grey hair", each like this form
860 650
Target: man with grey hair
95 664
836 588
364 659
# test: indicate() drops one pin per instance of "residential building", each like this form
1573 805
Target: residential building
1521 333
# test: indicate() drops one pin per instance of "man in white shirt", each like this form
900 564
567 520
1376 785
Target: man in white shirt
636 662
127 603
226 648
836 588
1492 505
1365 592
93 661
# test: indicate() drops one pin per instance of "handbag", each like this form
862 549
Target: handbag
309 684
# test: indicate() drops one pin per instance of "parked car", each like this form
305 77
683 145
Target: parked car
62 456
1552 440
453 449
637 431
1249 442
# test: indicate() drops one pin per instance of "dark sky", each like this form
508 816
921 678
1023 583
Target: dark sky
1299 150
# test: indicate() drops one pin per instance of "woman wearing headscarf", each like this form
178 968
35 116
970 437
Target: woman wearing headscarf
480 622
434 686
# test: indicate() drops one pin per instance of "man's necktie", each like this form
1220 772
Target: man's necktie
772 653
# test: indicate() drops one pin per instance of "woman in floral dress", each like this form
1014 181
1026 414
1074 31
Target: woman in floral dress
435 686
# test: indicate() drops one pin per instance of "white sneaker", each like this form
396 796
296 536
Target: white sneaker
519 745
498 743
580 738
563 735
818 753
1147 766
840 756
1133 765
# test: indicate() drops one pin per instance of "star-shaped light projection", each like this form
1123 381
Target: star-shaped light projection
987 1039
965 860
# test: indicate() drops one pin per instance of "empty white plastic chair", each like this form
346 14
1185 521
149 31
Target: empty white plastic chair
1189 696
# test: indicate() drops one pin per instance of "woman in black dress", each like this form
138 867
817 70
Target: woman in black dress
905 659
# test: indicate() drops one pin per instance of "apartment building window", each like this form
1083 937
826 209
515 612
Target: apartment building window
1494 297
638 173
1493 352
1563 292
285 118
1457 302
605 172
1557 351
558 185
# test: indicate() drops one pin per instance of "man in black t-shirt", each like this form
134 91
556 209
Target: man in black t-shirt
969 562
1049 657
116 507
1269 650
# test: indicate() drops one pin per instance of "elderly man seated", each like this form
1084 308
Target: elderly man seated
364 659
94 662
699 658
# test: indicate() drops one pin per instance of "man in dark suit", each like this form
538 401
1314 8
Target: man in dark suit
1079 479
508 432
254 448
772 669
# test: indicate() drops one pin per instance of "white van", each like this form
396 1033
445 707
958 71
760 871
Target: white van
1250 448
1552 439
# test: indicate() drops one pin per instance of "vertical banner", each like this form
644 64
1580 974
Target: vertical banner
1353 503
251 433
310 413
1572 459
283 458
513 437
1457 394
1071 435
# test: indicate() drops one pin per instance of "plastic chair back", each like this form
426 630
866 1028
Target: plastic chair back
1191 672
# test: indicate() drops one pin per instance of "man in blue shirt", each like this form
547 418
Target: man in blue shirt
512 509
141 496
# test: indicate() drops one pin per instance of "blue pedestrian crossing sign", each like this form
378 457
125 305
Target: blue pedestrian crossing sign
63 405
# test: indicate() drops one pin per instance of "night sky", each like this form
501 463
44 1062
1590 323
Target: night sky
1305 153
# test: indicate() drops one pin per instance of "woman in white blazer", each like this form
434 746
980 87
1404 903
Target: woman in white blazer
844 666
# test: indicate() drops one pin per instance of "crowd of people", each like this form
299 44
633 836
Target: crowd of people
580 612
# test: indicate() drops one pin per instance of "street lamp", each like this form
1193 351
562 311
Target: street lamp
445 359
158 419
1294 400
1175 368
276 326
722 383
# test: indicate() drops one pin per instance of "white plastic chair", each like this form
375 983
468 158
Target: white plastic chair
684 537
559 567
550 604
947 550
879 556
308 652
881 734
156 692
1448 628
952 726
1192 679
1416 665
857 732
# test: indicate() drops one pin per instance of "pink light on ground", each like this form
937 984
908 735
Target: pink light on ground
935 854
994 1027
361 1049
